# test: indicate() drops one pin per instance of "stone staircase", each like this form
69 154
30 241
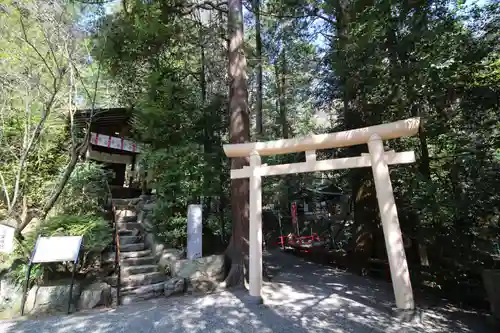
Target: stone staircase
140 277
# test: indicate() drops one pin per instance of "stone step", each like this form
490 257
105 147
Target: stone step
129 299
126 240
142 279
126 211
139 261
132 247
131 282
128 226
131 270
125 233
142 290
126 219
135 254
131 202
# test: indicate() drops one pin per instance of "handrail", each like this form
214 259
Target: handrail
117 256
116 245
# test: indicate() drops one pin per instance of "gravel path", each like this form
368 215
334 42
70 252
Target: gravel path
302 297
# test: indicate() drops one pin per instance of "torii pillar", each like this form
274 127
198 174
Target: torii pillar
255 234
377 159
390 224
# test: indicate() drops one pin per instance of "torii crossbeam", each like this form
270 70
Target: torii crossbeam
377 158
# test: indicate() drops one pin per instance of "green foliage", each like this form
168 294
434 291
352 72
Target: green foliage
86 191
96 232
170 228
78 212
440 64
44 77
171 69
178 180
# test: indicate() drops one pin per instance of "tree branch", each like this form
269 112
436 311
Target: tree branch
6 192
34 137
80 78
208 5
75 153
314 12
26 40
49 44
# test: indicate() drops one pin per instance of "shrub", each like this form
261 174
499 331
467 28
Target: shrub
178 178
96 232
170 228
86 191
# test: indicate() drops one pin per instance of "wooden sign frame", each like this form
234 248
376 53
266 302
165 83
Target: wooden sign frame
34 260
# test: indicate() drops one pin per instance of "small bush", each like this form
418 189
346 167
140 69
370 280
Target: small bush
86 190
178 174
170 228
96 232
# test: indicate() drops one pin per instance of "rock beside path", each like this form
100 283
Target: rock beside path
174 286
168 259
96 294
202 275
51 299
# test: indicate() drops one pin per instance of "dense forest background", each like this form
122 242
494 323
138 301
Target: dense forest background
303 67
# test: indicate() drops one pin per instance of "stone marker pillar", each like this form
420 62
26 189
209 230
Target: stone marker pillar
194 232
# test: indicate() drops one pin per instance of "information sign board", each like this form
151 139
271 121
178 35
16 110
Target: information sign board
54 249
6 238
57 249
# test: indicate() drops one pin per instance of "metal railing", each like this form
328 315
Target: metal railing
116 245
117 254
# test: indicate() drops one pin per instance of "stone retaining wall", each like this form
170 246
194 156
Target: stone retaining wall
193 276
182 275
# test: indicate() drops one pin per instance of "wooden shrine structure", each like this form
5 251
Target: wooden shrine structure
110 144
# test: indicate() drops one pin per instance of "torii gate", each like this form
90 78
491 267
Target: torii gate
377 158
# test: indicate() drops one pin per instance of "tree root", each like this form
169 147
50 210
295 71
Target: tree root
235 277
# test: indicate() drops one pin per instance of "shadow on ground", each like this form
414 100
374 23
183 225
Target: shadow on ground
315 294
219 313
301 297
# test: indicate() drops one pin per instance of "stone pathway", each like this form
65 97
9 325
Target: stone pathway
302 297
140 276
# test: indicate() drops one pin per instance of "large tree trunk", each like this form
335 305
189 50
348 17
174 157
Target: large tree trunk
281 89
340 13
258 50
239 131
208 119
281 79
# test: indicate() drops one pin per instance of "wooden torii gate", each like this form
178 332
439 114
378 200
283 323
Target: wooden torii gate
377 158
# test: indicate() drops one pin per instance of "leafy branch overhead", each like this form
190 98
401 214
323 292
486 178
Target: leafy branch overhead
42 64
